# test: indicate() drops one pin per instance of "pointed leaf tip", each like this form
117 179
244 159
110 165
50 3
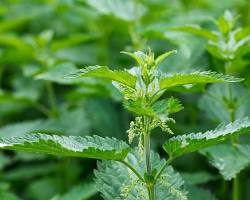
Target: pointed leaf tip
162 57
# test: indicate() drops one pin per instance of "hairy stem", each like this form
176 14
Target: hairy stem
147 155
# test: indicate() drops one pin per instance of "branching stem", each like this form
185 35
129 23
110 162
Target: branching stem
162 169
132 169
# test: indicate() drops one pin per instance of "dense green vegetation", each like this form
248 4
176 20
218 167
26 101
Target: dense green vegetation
113 99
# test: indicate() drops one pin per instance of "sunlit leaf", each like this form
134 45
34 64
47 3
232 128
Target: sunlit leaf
173 80
183 144
104 72
74 146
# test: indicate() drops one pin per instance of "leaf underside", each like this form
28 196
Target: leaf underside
74 146
178 79
183 144
228 159
115 181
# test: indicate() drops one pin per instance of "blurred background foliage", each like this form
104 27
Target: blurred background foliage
41 41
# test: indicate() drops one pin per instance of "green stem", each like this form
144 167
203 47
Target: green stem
147 152
43 109
236 188
1 75
51 97
236 181
162 169
132 169
223 189
150 187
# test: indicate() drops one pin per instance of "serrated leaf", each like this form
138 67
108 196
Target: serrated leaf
160 109
183 144
115 181
74 146
104 72
163 108
228 159
138 107
177 79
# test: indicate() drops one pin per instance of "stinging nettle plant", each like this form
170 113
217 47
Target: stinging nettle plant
137 173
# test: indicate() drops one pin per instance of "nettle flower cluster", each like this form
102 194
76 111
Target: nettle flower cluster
143 100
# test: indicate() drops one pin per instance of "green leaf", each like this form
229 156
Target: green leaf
163 108
69 122
139 56
198 193
50 186
173 80
75 146
5 195
160 109
173 105
197 178
196 30
28 172
138 107
220 99
162 57
57 74
126 10
4 161
228 159
115 181
104 72
13 40
79 192
242 33
226 22
183 144
72 40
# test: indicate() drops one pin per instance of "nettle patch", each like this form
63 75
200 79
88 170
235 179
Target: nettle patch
127 172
